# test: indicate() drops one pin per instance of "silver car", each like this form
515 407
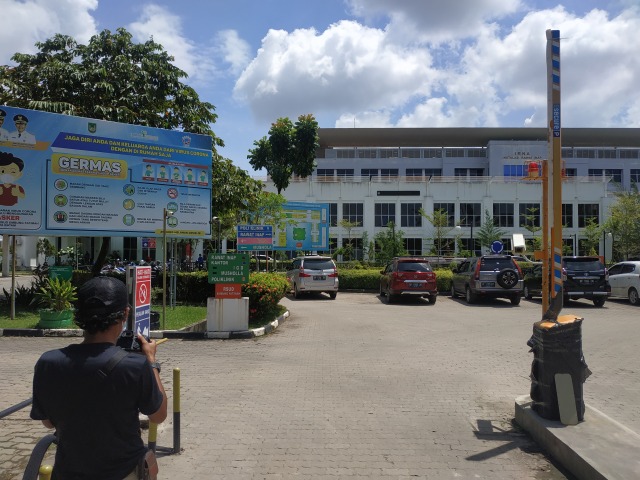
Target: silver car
624 278
313 273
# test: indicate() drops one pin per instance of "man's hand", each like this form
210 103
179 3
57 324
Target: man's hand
148 348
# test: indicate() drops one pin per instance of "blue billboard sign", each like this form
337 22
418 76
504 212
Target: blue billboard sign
68 176
306 227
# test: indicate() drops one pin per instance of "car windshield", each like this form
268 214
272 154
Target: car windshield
583 264
320 264
499 263
413 267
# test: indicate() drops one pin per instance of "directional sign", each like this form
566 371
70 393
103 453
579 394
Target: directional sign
255 237
228 267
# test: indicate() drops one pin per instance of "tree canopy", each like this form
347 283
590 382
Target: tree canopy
624 223
289 149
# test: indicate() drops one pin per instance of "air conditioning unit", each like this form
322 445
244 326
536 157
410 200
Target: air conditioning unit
518 243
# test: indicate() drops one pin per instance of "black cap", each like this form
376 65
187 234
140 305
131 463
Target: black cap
3 113
20 118
101 296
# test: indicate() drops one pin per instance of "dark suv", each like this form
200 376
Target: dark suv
492 276
408 276
585 277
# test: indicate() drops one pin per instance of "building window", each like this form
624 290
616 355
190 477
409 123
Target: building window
353 212
384 213
470 214
570 172
587 211
333 244
503 214
410 153
344 172
476 152
628 153
410 215
567 215
413 246
333 214
635 175
454 152
345 153
367 153
567 152
388 153
607 153
130 249
449 210
369 172
388 172
414 172
433 172
355 245
614 173
432 153
325 172
584 153
469 172
529 215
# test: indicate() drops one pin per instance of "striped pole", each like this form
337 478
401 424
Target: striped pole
176 410
555 155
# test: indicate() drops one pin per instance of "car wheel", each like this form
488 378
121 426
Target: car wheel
508 278
333 295
527 293
598 302
633 296
453 291
296 292
515 300
432 299
470 297
390 298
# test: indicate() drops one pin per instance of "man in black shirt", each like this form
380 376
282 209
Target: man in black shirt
94 404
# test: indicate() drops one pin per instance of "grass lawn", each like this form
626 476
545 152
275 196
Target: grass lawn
177 318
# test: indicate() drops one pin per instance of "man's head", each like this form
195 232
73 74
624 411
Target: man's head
21 122
102 302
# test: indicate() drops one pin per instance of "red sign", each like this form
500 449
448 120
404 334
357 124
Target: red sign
143 286
228 290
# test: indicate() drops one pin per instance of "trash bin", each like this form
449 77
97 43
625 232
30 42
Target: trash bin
154 320
557 348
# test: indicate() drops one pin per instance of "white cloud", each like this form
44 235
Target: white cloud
235 51
166 29
348 67
370 119
27 22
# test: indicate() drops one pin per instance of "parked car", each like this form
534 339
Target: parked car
585 277
492 276
313 273
624 278
532 282
406 277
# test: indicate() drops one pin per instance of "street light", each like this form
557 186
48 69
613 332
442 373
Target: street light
217 221
165 214
606 234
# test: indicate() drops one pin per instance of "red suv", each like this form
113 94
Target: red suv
408 276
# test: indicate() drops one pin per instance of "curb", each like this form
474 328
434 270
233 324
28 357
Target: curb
155 334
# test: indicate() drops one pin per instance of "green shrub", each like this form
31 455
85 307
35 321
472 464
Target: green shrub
265 290
356 279
443 279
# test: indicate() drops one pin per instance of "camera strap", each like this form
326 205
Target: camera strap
115 359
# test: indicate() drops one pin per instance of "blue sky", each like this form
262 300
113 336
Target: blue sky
370 63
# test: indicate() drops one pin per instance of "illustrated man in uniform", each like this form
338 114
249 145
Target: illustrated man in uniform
11 169
21 135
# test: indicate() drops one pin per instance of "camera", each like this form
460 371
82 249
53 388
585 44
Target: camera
129 341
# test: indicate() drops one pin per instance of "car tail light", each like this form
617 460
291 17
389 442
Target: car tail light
333 274
606 274
303 273
564 274
477 274
519 269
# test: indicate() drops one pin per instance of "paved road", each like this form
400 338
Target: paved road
355 388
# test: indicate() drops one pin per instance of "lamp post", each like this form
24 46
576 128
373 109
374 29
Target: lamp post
575 244
606 234
165 214
216 220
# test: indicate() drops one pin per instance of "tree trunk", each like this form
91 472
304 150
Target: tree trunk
102 256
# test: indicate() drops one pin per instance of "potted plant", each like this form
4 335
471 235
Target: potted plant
56 297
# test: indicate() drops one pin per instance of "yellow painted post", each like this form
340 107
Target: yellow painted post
153 436
176 410
545 236
45 472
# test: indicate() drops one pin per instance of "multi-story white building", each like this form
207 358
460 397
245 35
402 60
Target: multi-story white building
372 176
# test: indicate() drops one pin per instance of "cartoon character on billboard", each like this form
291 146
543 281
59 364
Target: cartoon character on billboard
11 169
